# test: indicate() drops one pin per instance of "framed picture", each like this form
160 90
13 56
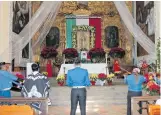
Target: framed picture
20 15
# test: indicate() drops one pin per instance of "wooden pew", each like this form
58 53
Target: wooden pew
16 110
25 101
154 110
146 101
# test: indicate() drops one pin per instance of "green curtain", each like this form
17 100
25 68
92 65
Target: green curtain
69 24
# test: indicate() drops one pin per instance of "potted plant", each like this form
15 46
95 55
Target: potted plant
48 52
45 73
150 86
96 54
70 53
117 52
60 80
110 78
93 78
102 78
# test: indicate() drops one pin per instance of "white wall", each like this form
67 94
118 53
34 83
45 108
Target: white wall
5 46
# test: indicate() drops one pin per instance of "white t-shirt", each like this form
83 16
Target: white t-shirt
158 102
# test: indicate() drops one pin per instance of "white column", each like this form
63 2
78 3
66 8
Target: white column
5 46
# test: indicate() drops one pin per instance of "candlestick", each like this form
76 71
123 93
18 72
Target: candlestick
106 58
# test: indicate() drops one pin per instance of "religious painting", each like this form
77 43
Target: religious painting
53 37
20 15
25 52
83 40
111 36
145 19
82 34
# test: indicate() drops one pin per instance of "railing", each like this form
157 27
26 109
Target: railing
146 100
27 101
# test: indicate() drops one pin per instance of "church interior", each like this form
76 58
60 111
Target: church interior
110 38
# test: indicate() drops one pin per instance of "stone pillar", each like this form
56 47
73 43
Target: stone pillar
5 46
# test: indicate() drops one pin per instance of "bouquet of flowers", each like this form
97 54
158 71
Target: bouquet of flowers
96 52
45 73
102 76
70 53
60 80
110 77
93 77
49 52
151 87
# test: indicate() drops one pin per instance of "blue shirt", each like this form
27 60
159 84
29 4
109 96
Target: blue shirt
6 80
78 77
132 84
157 80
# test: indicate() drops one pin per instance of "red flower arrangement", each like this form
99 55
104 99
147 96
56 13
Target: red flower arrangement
151 87
117 52
49 52
70 53
94 52
102 76
20 76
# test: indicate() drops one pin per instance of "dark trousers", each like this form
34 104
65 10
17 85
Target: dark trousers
78 95
129 96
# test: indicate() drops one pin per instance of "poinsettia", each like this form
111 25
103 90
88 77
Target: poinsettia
102 76
94 52
70 53
117 52
49 52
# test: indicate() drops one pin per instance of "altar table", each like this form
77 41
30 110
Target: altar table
95 68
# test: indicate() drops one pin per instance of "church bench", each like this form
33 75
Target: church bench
154 109
146 101
6 102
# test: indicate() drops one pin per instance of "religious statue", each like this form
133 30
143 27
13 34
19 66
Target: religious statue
111 34
116 66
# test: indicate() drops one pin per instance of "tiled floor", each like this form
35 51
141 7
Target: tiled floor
106 100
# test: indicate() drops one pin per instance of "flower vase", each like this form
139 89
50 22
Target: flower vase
109 83
93 83
102 82
61 83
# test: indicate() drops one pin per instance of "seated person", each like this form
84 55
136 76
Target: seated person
6 80
36 85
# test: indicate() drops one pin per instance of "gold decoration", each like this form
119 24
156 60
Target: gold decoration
82 12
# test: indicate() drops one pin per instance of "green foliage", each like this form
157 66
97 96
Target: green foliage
158 56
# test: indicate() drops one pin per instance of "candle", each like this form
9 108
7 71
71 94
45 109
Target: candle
106 58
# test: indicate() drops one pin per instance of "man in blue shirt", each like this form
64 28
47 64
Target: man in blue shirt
78 79
6 80
134 82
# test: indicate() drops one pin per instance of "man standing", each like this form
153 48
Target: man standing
78 79
134 82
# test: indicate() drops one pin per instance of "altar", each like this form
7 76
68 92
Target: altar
93 68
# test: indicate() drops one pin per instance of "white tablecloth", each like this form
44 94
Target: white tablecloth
92 68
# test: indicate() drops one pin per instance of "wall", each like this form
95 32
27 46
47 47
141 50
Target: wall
5 46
